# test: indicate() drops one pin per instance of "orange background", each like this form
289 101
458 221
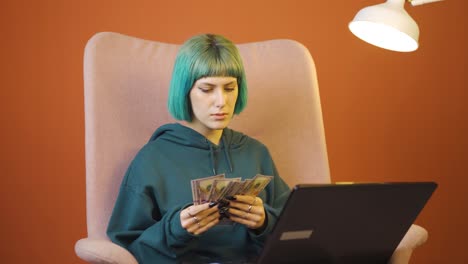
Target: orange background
388 116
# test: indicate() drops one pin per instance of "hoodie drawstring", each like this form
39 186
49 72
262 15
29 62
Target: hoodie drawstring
212 158
226 154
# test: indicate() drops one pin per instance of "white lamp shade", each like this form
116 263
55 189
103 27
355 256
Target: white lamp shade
386 25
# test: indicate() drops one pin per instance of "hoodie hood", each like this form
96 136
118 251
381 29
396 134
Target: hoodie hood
185 136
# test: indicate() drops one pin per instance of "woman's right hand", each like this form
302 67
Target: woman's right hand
197 219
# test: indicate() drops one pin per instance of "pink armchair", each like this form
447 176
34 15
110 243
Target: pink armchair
126 81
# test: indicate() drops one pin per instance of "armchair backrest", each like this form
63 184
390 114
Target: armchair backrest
126 82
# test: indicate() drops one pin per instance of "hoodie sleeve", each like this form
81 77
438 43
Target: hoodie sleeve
137 225
277 192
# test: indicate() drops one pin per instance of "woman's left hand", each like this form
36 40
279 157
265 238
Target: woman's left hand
247 210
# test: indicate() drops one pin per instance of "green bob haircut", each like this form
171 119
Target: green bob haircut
201 56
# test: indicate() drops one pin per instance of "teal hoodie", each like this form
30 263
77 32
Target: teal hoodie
156 187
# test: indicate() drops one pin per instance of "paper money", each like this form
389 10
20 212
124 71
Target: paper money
201 188
194 193
217 188
231 189
258 183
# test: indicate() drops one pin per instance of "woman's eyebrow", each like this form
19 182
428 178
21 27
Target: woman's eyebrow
230 83
213 85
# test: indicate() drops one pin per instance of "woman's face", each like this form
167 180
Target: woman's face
213 101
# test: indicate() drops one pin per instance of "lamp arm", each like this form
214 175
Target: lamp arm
422 2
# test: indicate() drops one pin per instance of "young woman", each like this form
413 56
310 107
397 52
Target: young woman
154 217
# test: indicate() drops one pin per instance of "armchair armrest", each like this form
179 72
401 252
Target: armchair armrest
415 237
100 251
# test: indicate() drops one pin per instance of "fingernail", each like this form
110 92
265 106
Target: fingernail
232 198
225 214
223 201
222 205
212 204
223 209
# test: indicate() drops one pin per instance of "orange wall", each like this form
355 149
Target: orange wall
388 116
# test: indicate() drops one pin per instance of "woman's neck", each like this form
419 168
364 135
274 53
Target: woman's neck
213 135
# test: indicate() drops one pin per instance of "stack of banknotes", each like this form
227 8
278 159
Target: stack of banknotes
217 188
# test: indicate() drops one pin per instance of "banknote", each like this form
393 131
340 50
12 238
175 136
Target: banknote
258 183
245 186
217 188
231 189
201 188
194 193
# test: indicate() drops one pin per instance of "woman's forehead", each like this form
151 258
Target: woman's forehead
217 80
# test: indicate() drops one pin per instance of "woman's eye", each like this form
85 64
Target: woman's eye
205 90
229 89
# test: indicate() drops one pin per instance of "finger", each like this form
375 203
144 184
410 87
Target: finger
207 223
249 223
206 227
257 209
245 215
248 199
252 221
210 218
198 220
208 212
193 227
188 222
195 209
203 225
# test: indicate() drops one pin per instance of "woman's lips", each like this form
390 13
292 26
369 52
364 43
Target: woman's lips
219 116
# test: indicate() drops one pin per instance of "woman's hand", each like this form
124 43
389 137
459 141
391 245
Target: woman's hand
247 210
197 219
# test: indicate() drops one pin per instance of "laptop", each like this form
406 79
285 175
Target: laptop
345 223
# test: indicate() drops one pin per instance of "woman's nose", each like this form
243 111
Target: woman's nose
220 98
